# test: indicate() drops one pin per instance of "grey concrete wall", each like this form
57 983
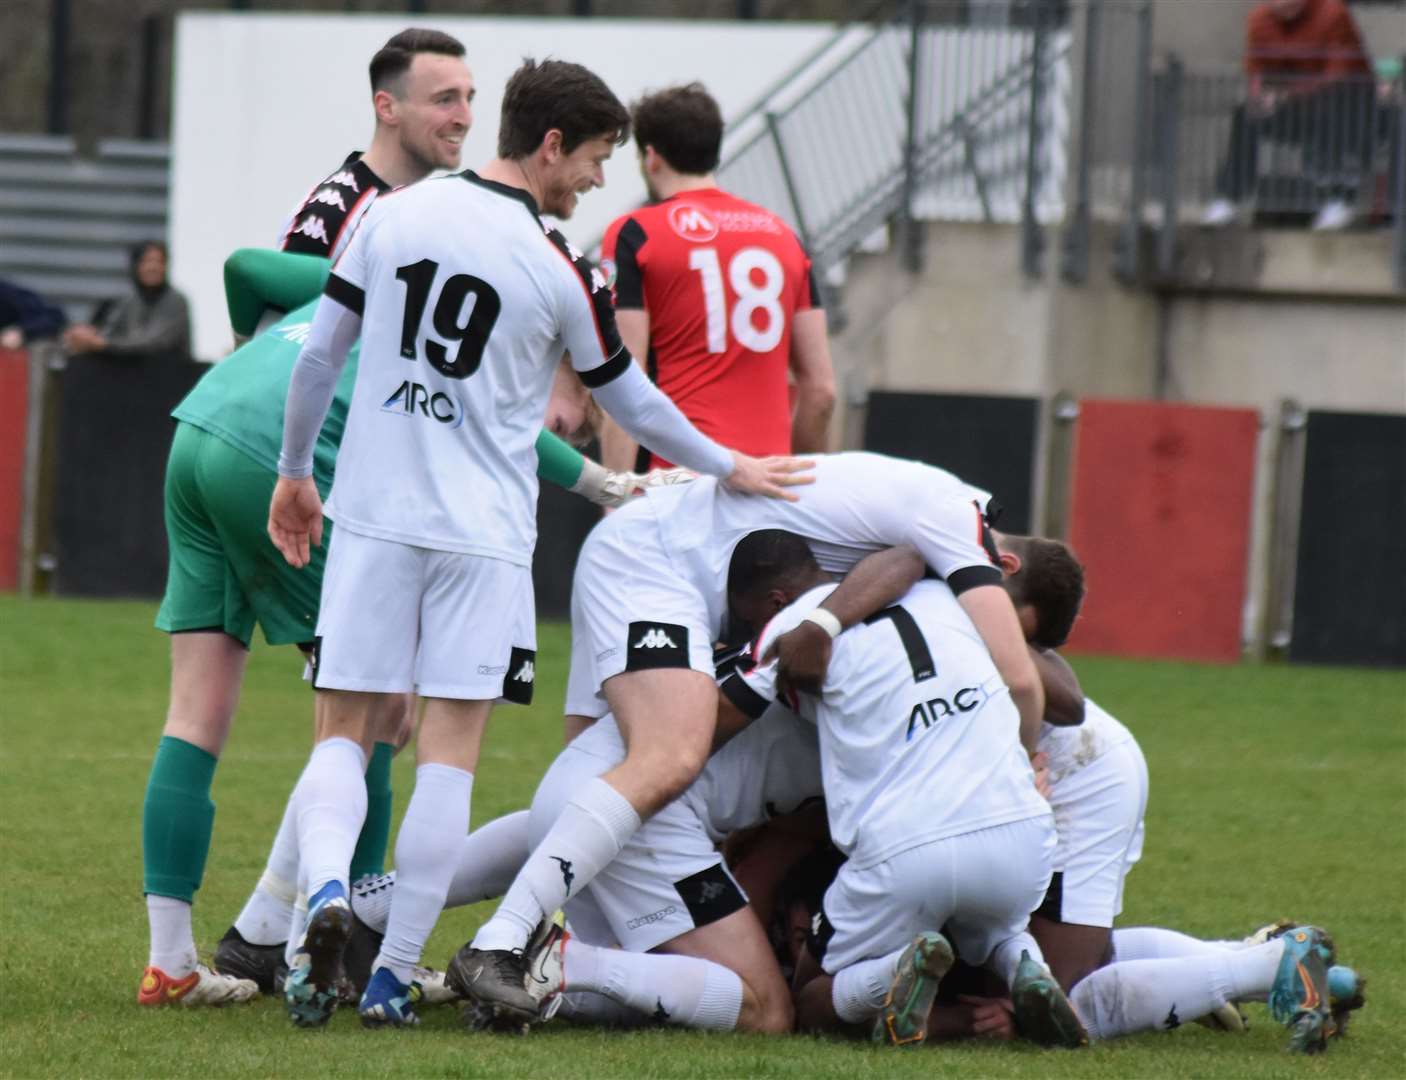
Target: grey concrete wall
1317 321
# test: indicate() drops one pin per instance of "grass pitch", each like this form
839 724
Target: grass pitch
1275 791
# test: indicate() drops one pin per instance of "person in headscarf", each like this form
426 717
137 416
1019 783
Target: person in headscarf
153 318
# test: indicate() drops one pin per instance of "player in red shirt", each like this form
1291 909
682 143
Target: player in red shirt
717 293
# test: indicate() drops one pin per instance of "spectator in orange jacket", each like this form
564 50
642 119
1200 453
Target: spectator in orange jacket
1309 83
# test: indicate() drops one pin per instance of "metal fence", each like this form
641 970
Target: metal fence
947 112
1303 150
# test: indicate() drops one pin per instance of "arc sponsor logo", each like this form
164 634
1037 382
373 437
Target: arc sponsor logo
692 223
411 398
929 713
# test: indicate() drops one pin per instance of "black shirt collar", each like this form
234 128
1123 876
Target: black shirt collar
506 190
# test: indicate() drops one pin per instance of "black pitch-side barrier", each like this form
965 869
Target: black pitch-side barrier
987 441
113 434
1350 590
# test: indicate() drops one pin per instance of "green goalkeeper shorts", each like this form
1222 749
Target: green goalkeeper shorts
224 572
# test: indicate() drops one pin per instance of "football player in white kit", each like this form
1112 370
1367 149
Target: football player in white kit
930 794
647 603
465 302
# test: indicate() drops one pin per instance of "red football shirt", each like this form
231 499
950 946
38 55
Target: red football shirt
721 279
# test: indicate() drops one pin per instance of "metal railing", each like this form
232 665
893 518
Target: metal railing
1294 151
937 114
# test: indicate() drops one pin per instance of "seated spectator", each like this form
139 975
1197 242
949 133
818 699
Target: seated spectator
154 318
1310 84
25 316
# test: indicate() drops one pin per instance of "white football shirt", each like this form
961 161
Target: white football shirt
859 503
467 303
1071 749
919 739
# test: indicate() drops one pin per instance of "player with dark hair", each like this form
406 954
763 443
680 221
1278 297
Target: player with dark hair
715 295
421 92
464 301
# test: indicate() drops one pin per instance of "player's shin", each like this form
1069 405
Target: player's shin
683 990
590 832
426 850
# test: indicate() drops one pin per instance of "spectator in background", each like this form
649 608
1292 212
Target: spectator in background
153 318
25 316
1310 84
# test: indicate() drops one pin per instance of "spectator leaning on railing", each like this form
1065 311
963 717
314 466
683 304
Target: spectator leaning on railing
153 318
1309 83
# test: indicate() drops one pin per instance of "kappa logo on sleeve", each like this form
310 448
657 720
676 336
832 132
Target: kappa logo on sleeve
656 645
314 227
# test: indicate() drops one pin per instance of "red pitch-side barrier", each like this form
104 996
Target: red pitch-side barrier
14 399
1160 516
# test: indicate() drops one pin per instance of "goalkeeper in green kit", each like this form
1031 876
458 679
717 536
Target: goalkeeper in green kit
225 576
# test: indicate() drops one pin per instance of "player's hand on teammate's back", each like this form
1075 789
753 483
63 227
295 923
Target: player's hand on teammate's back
802 658
769 476
295 518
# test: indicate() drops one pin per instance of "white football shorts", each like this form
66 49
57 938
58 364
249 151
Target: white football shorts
667 880
443 624
1099 813
981 885
630 610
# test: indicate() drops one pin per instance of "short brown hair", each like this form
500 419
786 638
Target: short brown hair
684 124
1051 581
393 59
556 94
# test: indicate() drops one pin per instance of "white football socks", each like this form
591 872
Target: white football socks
1005 958
489 858
859 990
172 940
684 990
426 851
269 909
1148 995
330 804
1156 943
590 832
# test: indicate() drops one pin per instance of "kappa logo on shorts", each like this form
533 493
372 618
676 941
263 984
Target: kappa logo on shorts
656 645
519 676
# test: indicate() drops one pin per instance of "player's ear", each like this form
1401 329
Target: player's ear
386 106
776 599
552 146
1010 563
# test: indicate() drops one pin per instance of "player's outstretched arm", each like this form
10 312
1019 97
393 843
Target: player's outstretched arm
769 476
1064 697
257 279
875 582
990 609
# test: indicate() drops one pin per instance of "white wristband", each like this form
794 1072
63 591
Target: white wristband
825 620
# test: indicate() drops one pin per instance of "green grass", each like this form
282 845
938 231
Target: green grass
1275 791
